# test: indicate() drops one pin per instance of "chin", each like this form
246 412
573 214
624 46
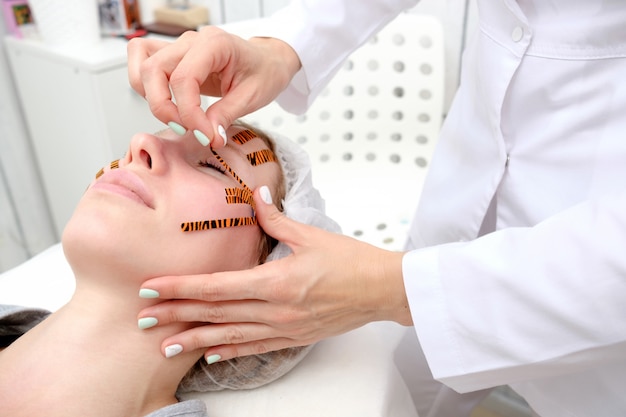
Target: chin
95 242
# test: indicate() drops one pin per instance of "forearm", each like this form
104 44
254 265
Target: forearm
539 300
281 57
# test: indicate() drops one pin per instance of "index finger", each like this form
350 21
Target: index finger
149 64
138 50
221 286
199 73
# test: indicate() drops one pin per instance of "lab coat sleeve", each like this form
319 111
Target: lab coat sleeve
323 33
524 303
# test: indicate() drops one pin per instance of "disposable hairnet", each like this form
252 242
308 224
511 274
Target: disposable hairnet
304 204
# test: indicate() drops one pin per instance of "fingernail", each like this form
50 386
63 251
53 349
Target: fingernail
147 322
148 293
202 138
266 196
178 129
212 359
222 132
173 350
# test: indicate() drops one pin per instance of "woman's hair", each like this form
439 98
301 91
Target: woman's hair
267 243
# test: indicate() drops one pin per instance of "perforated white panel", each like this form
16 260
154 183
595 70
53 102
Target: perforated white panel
371 133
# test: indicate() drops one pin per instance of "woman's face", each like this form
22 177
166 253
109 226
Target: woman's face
131 216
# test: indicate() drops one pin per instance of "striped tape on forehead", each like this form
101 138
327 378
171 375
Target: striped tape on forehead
261 157
258 157
217 224
244 136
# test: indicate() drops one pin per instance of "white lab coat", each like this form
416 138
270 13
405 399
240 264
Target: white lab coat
537 130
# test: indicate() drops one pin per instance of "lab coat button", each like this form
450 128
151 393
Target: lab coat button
517 34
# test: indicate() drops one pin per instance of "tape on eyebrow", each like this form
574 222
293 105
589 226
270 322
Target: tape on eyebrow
238 196
114 165
244 136
217 224
261 157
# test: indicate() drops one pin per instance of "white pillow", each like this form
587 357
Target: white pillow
44 281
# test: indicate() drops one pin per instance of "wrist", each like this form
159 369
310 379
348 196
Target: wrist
285 57
389 300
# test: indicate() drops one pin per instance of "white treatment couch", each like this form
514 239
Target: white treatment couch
370 136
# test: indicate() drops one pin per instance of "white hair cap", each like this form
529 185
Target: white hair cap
302 203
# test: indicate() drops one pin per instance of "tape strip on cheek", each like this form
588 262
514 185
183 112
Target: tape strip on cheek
217 224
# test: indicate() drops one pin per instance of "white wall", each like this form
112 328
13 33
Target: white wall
25 225
457 17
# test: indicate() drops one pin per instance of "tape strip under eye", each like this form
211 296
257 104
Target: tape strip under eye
233 174
233 196
238 196
217 224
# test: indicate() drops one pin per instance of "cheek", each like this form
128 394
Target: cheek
203 251
189 205
209 251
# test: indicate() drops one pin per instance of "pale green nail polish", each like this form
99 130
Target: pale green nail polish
148 293
202 138
178 129
147 322
212 359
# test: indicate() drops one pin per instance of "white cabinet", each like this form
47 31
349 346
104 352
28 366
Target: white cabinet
81 113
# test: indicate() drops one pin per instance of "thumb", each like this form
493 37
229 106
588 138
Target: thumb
225 111
275 223
220 116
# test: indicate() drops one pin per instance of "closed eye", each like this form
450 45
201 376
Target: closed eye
213 165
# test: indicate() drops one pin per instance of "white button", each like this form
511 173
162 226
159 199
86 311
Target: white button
517 34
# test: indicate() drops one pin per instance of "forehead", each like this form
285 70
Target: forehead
256 162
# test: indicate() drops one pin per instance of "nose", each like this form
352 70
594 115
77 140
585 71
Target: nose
147 151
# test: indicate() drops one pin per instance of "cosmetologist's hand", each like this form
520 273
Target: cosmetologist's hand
331 284
247 74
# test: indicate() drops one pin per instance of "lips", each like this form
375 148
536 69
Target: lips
127 184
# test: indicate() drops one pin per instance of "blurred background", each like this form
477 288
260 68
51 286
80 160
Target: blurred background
44 87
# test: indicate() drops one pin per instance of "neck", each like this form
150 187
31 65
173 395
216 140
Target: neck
89 354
